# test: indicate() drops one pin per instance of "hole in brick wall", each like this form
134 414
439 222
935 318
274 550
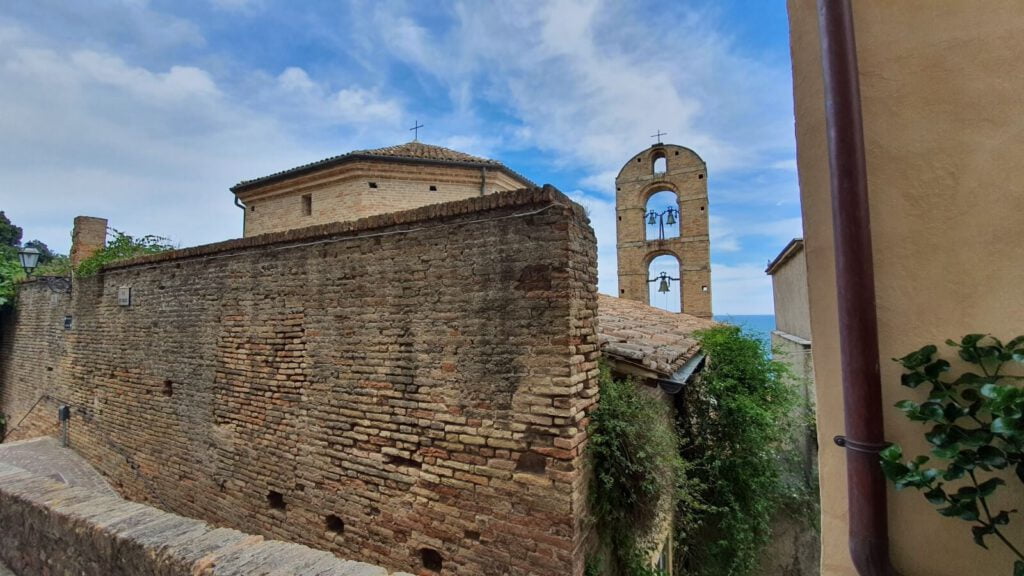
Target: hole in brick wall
623 291
168 388
275 500
677 152
431 559
618 189
374 511
400 461
620 218
638 159
335 524
473 535
700 176
701 208
372 184
300 487
532 462
433 188
307 204
252 208
49 368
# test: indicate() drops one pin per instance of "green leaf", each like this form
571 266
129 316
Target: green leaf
971 339
892 453
934 369
913 379
1003 518
979 534
954 472
992 456
919 358
986 488
936 495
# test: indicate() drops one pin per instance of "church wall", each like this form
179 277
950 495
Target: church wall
942 126
344 193
424 377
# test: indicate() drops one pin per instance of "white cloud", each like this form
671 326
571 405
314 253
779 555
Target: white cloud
295 94
741 289
591 81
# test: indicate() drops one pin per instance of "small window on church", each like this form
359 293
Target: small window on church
307 204
433 188
373 184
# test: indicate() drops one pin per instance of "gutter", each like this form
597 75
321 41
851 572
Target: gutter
855 287
245 215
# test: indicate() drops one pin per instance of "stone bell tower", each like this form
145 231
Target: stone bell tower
665 168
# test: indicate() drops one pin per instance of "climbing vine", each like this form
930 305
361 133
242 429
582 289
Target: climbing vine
639 476
719 462
977 429
121 246
740 421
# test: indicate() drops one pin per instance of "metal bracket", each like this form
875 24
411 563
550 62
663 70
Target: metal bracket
863 447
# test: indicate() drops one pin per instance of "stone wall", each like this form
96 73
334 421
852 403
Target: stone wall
51 528
409 390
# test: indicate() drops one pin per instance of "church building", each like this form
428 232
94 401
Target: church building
368 182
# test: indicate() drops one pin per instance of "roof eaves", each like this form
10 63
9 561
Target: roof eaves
794 246
333 161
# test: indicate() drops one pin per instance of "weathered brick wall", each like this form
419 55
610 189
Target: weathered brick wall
407 385
51 528
30 361
344 193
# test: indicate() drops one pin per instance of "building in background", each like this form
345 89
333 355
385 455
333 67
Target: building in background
794 549
367 183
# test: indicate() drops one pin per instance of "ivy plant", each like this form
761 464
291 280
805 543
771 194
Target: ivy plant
121 246
638 473
976 430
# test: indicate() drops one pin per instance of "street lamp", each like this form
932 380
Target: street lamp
29 259
668 216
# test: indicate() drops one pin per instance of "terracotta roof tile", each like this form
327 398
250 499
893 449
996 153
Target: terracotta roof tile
650 337
416 152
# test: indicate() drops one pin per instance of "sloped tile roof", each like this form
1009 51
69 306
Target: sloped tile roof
420 151
415 152
658 340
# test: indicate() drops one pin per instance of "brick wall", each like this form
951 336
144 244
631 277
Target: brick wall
399 389
344 193
51 528
30 361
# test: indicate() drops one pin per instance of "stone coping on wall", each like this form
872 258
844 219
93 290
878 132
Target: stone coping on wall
540 197
51 528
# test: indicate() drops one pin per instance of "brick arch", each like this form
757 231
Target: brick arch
686 178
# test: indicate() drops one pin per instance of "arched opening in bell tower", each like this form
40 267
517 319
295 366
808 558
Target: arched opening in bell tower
664 283
661 216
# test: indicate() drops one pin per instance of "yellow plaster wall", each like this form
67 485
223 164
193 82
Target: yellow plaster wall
943 101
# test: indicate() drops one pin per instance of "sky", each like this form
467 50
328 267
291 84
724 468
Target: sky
147 112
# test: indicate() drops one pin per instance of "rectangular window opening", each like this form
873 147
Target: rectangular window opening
307 204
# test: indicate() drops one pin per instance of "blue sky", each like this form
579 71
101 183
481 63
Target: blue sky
147 112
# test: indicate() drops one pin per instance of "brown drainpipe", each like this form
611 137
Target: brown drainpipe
855 284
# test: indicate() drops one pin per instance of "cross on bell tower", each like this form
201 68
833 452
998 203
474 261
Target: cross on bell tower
416 131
